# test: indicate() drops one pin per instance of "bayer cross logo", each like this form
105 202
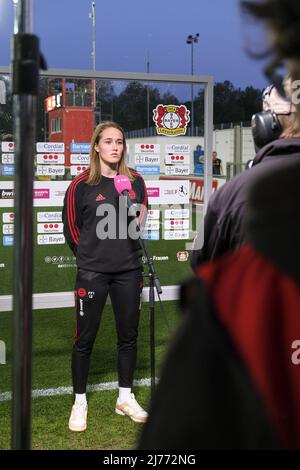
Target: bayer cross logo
171 121
139 159
43 170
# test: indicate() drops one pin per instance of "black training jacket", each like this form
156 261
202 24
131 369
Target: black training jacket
85 213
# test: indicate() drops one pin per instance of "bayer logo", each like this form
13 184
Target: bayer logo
171 120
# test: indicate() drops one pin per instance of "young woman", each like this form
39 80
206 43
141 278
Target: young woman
108 262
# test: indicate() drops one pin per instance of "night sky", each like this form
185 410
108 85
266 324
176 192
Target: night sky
126 31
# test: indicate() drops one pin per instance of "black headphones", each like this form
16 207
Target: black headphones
265 125
265 128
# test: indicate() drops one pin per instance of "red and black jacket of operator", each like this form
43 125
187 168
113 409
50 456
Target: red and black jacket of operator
108 255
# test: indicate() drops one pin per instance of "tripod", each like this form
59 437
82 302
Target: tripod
153 282
153 278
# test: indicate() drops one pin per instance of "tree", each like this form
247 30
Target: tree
105 95
235 105
42 116
251 101
169 98
130 107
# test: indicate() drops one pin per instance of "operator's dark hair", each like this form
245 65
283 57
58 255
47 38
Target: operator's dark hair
282 19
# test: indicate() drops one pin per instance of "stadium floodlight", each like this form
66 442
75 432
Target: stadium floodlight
192 40
15 2
92 15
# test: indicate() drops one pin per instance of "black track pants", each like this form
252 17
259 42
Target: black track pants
91 292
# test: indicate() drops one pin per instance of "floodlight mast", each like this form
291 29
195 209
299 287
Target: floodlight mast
192 40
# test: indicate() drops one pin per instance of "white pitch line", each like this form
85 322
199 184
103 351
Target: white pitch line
50 392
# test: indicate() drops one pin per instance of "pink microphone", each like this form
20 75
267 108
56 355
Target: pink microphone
122 184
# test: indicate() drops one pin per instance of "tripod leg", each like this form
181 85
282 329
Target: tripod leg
152 334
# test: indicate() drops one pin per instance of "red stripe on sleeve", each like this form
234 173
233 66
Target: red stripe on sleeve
71 211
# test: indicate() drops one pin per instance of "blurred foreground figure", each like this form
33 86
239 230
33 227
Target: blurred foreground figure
277 140
231 379
222 230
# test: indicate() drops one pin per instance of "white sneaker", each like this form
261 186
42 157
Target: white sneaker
132 409
77 421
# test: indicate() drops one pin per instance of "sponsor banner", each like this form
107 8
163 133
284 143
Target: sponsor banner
148 169
50 158
147 159
152 225
50 147
151 235
176 235
168 191
176 224
7 146
77 169
49 216
182 255
81 159
7 194
152 193
197 189
181 170
153 214
177 159
8 240
177 148
50 239
80 147
8 170
8 158
47 170
8 229
50 193
8 217
41 193
45 193
177 213
147 148
156 258
50 227
60 259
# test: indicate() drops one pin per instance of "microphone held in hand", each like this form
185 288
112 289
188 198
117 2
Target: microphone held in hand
123 186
